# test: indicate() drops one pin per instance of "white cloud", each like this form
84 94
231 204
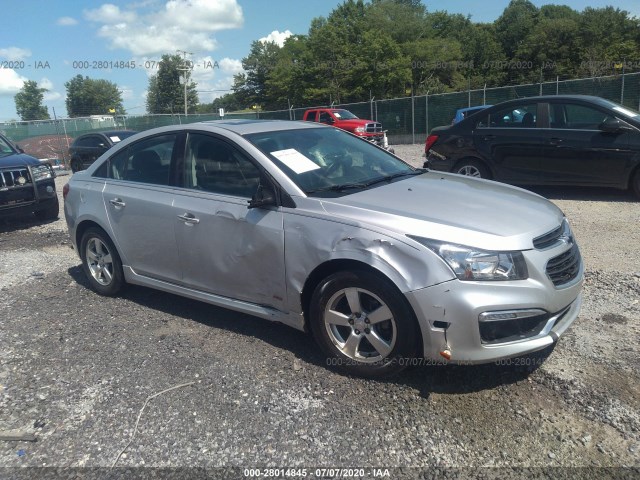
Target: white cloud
45 83
276 36
10 82
66 21
109 14
206 74
15 53
181 24
50 95
231 66
127 92
202 15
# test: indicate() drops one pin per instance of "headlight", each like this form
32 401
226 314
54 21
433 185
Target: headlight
41 172
359 130
473 264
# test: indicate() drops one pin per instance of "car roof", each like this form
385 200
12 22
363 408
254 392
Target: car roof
558 98
247 126
478 107
108 133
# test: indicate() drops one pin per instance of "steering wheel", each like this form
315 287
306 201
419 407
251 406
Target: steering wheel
337 160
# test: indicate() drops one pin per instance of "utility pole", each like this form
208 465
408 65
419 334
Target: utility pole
186 67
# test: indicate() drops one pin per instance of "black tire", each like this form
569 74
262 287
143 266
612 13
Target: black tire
471 168
635 183
358 343
101 262
76 165
50 213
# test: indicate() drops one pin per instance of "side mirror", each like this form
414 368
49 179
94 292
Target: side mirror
612 125
20 149
330 121
264 197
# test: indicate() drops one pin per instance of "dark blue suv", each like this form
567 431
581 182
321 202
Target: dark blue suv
27 186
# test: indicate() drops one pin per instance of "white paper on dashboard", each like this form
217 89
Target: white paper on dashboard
295 160
115 139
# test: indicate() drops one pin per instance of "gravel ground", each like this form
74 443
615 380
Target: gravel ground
76 369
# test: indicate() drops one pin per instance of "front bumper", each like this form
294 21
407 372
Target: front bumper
27 199
451 317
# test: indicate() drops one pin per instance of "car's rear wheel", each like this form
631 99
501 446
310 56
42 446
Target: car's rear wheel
471 168
101 262
363 324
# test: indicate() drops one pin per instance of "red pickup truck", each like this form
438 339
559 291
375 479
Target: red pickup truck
345 120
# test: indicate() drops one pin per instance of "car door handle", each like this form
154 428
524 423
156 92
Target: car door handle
555 141
117 202
189 219
488 137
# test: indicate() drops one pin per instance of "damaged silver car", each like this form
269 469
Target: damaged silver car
310 226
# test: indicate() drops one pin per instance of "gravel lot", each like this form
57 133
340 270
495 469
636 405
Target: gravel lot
76 369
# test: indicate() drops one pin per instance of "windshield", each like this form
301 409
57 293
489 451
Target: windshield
344 114
6 148
329 162
119 136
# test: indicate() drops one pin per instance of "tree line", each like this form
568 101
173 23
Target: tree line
386 49
394 48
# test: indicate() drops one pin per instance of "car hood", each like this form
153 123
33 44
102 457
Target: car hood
452 208
355 122
18 160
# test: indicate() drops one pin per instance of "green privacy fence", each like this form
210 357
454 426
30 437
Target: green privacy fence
407 120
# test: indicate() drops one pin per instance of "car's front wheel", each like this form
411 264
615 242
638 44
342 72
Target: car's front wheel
363 324
101 262
471 168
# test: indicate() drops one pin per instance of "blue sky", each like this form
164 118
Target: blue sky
53 41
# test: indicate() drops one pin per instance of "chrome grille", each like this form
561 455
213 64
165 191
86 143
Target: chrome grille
9 178
374 127
548 239
565 267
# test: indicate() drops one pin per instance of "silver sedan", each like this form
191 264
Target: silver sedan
310 226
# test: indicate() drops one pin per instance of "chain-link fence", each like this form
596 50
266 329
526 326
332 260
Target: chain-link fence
407 120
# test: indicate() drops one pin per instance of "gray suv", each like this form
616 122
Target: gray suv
310 226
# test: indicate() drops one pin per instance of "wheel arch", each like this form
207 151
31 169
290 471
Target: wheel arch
330 267
635 172
472 158
84 225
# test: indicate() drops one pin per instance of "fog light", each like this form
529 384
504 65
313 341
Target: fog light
509 315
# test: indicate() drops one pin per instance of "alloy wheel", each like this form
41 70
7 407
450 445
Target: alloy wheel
99 261
360 325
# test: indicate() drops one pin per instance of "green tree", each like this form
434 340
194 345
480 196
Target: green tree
515 24
88 96
228 101
551 48
29 102
607 36
165 93
250 87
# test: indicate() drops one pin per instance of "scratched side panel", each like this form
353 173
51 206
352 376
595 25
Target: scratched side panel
313 238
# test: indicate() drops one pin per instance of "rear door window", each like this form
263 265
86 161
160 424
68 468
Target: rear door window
147 161
520 116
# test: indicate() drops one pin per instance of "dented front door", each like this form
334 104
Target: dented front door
228 249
